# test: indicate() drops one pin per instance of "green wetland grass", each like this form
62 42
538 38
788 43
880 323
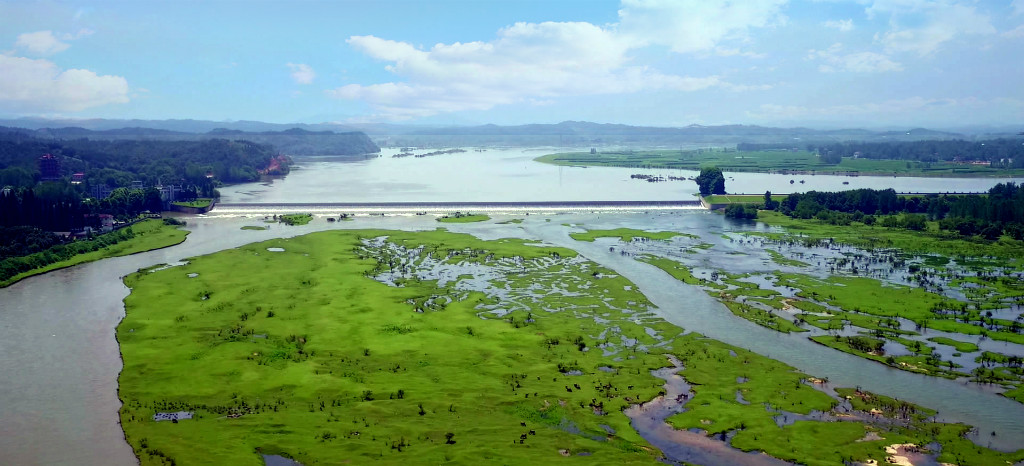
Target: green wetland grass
626 234
873 306
372 346
295 219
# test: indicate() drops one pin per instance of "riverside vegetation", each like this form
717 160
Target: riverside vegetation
428 347
920 298
143 236
1000 157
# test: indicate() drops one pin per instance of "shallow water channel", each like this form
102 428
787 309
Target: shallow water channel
58 398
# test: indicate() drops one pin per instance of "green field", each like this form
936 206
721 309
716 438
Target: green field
332 366
768 161
149 235
735 199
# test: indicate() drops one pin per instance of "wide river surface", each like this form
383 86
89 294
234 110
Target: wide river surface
512 175
60 360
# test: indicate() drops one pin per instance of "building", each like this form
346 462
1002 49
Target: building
49 167
77 178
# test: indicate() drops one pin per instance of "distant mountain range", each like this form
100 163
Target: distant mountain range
326 138
292 141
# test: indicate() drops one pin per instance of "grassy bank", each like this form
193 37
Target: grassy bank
735 199
770 161
360 352
198 203
146 235
929 241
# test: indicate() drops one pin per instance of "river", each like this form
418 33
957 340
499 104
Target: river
58 395
512 175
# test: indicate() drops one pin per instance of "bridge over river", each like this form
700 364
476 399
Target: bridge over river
335 208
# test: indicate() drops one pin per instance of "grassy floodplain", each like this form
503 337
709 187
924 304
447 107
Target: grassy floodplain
768 161
870 237
148 235
858 295
626 234
368 348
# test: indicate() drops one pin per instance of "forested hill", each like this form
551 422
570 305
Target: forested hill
294 141
297 141
116 163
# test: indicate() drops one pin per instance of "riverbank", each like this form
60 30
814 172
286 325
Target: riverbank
430 347
147 235
773 162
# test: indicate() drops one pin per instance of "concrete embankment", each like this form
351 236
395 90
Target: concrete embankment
193 210
449 207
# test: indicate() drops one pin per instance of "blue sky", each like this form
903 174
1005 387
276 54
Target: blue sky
818 63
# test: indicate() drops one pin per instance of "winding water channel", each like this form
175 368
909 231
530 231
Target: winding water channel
60 360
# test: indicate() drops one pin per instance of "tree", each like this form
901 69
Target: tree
741 211
769 204
710 181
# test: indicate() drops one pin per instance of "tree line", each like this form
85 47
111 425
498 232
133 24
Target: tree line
14 265
1000 153
999 212
117 163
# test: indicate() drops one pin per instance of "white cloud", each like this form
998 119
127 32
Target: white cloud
302 73
843 25
29 85
1015 33
526 61
834 60
935 23
84 32
40 43
730 52
1018 7
529 62
694 25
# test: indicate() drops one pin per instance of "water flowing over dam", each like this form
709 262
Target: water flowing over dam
335 208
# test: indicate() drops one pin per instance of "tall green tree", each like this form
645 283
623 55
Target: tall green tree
710 181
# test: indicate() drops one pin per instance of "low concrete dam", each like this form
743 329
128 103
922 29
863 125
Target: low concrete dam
336 208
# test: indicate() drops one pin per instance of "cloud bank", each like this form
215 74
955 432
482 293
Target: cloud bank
529 62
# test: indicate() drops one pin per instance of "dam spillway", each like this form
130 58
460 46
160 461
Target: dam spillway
398 208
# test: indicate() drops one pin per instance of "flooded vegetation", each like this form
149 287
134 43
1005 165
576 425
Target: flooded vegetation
955 317
496 349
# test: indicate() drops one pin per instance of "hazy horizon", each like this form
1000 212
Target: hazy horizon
873 64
